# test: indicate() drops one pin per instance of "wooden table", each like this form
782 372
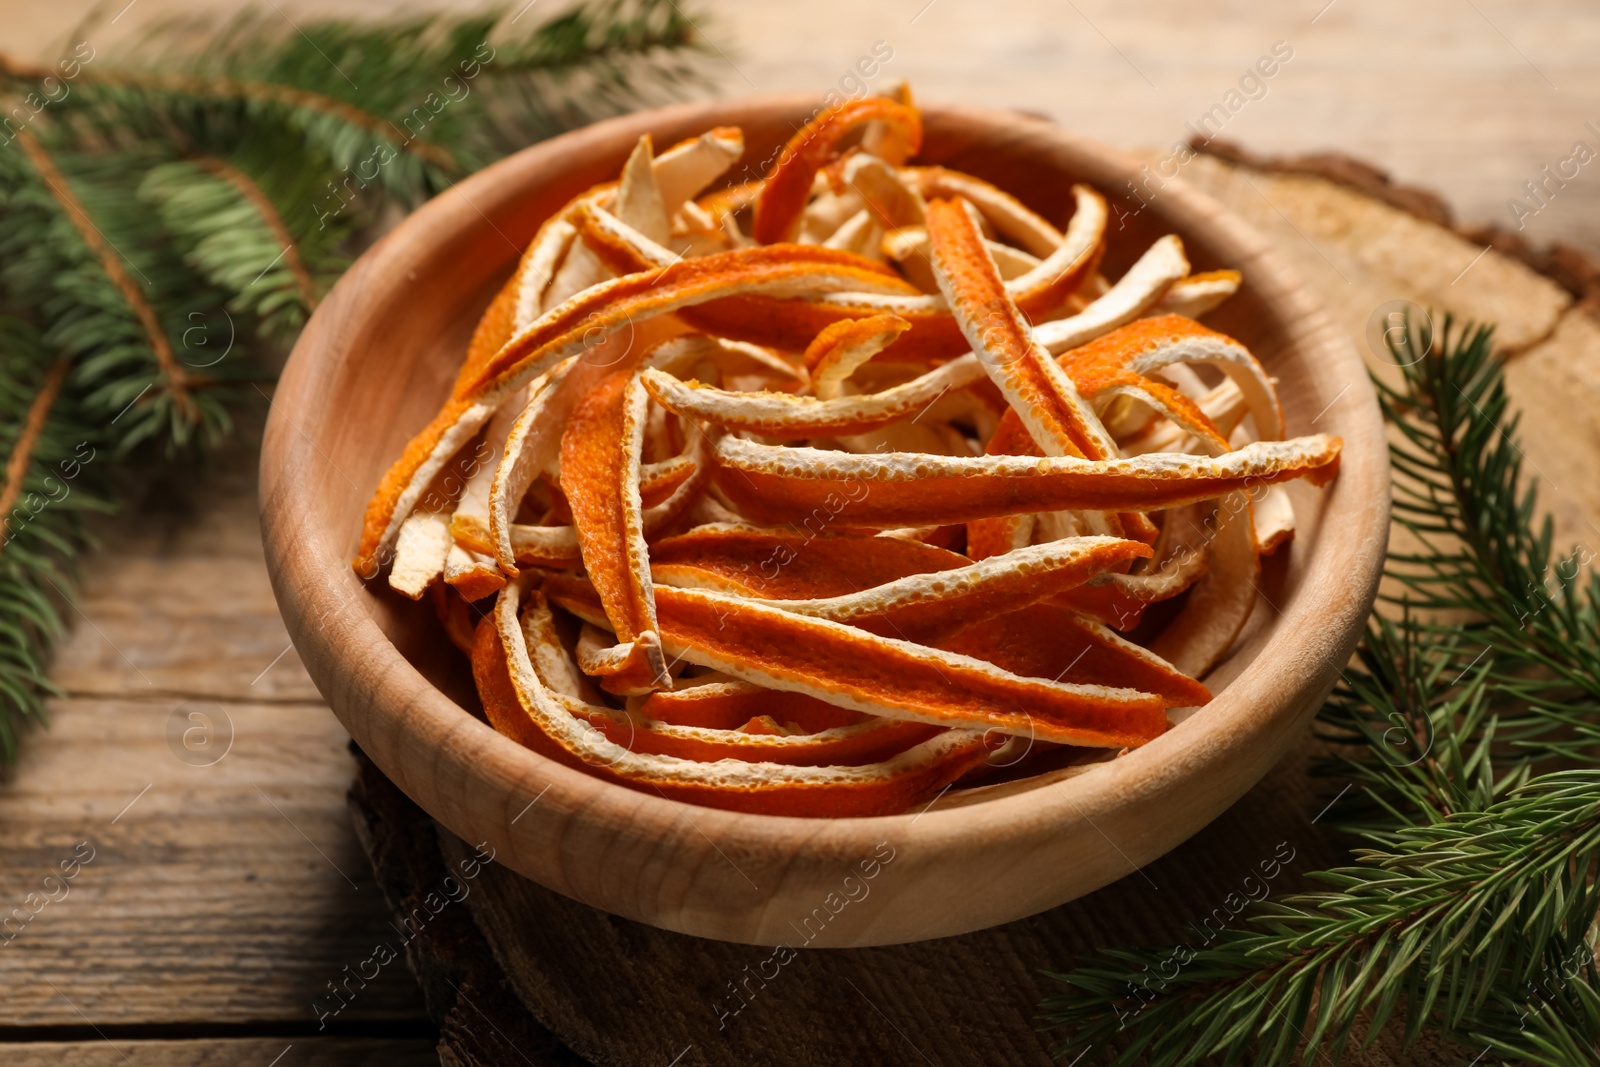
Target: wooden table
227 889
222 896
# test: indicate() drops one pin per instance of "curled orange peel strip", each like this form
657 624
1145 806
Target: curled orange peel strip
838 350
1166 402
496 326
789 565
531 447
1008 215
419 553
927 607
1048 641
605 325
861 743
882 676
765 733
657 482
695 162
1201 293
776 484
625 250
1160 270
1221 601
1059 274
999 535
519 705
1146 346
730 705
908 247
557 545
1120 600
890 586
600 460
890 202
815 145
1036 388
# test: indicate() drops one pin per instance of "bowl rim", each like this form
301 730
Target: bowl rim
434 750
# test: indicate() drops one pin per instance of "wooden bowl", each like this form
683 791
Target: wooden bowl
378 357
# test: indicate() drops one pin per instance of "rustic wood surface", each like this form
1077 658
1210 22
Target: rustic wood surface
227 1052
1432 91
222 897
257 951
72 781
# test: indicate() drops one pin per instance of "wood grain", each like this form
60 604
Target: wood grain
204 903
224 1052
369 370
180 606
1468 99
213 517
225 893
1427 89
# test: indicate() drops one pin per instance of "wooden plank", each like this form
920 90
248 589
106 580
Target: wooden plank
225 1052
179 602
231 892
232 889
1461 98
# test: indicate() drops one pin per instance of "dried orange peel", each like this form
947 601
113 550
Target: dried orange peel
889 677
608 515
773 484
520 705
805 495
816 144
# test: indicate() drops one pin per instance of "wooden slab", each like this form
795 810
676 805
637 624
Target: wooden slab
366 371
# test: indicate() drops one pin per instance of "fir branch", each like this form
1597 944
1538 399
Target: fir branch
1461 489
1473 909
169 216
51 480
270 218
177 382
229 230
1433 925
17 463
217 87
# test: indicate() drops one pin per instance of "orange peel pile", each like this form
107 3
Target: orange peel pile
817 494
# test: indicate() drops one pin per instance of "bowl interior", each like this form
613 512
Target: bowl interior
429 334
378 358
